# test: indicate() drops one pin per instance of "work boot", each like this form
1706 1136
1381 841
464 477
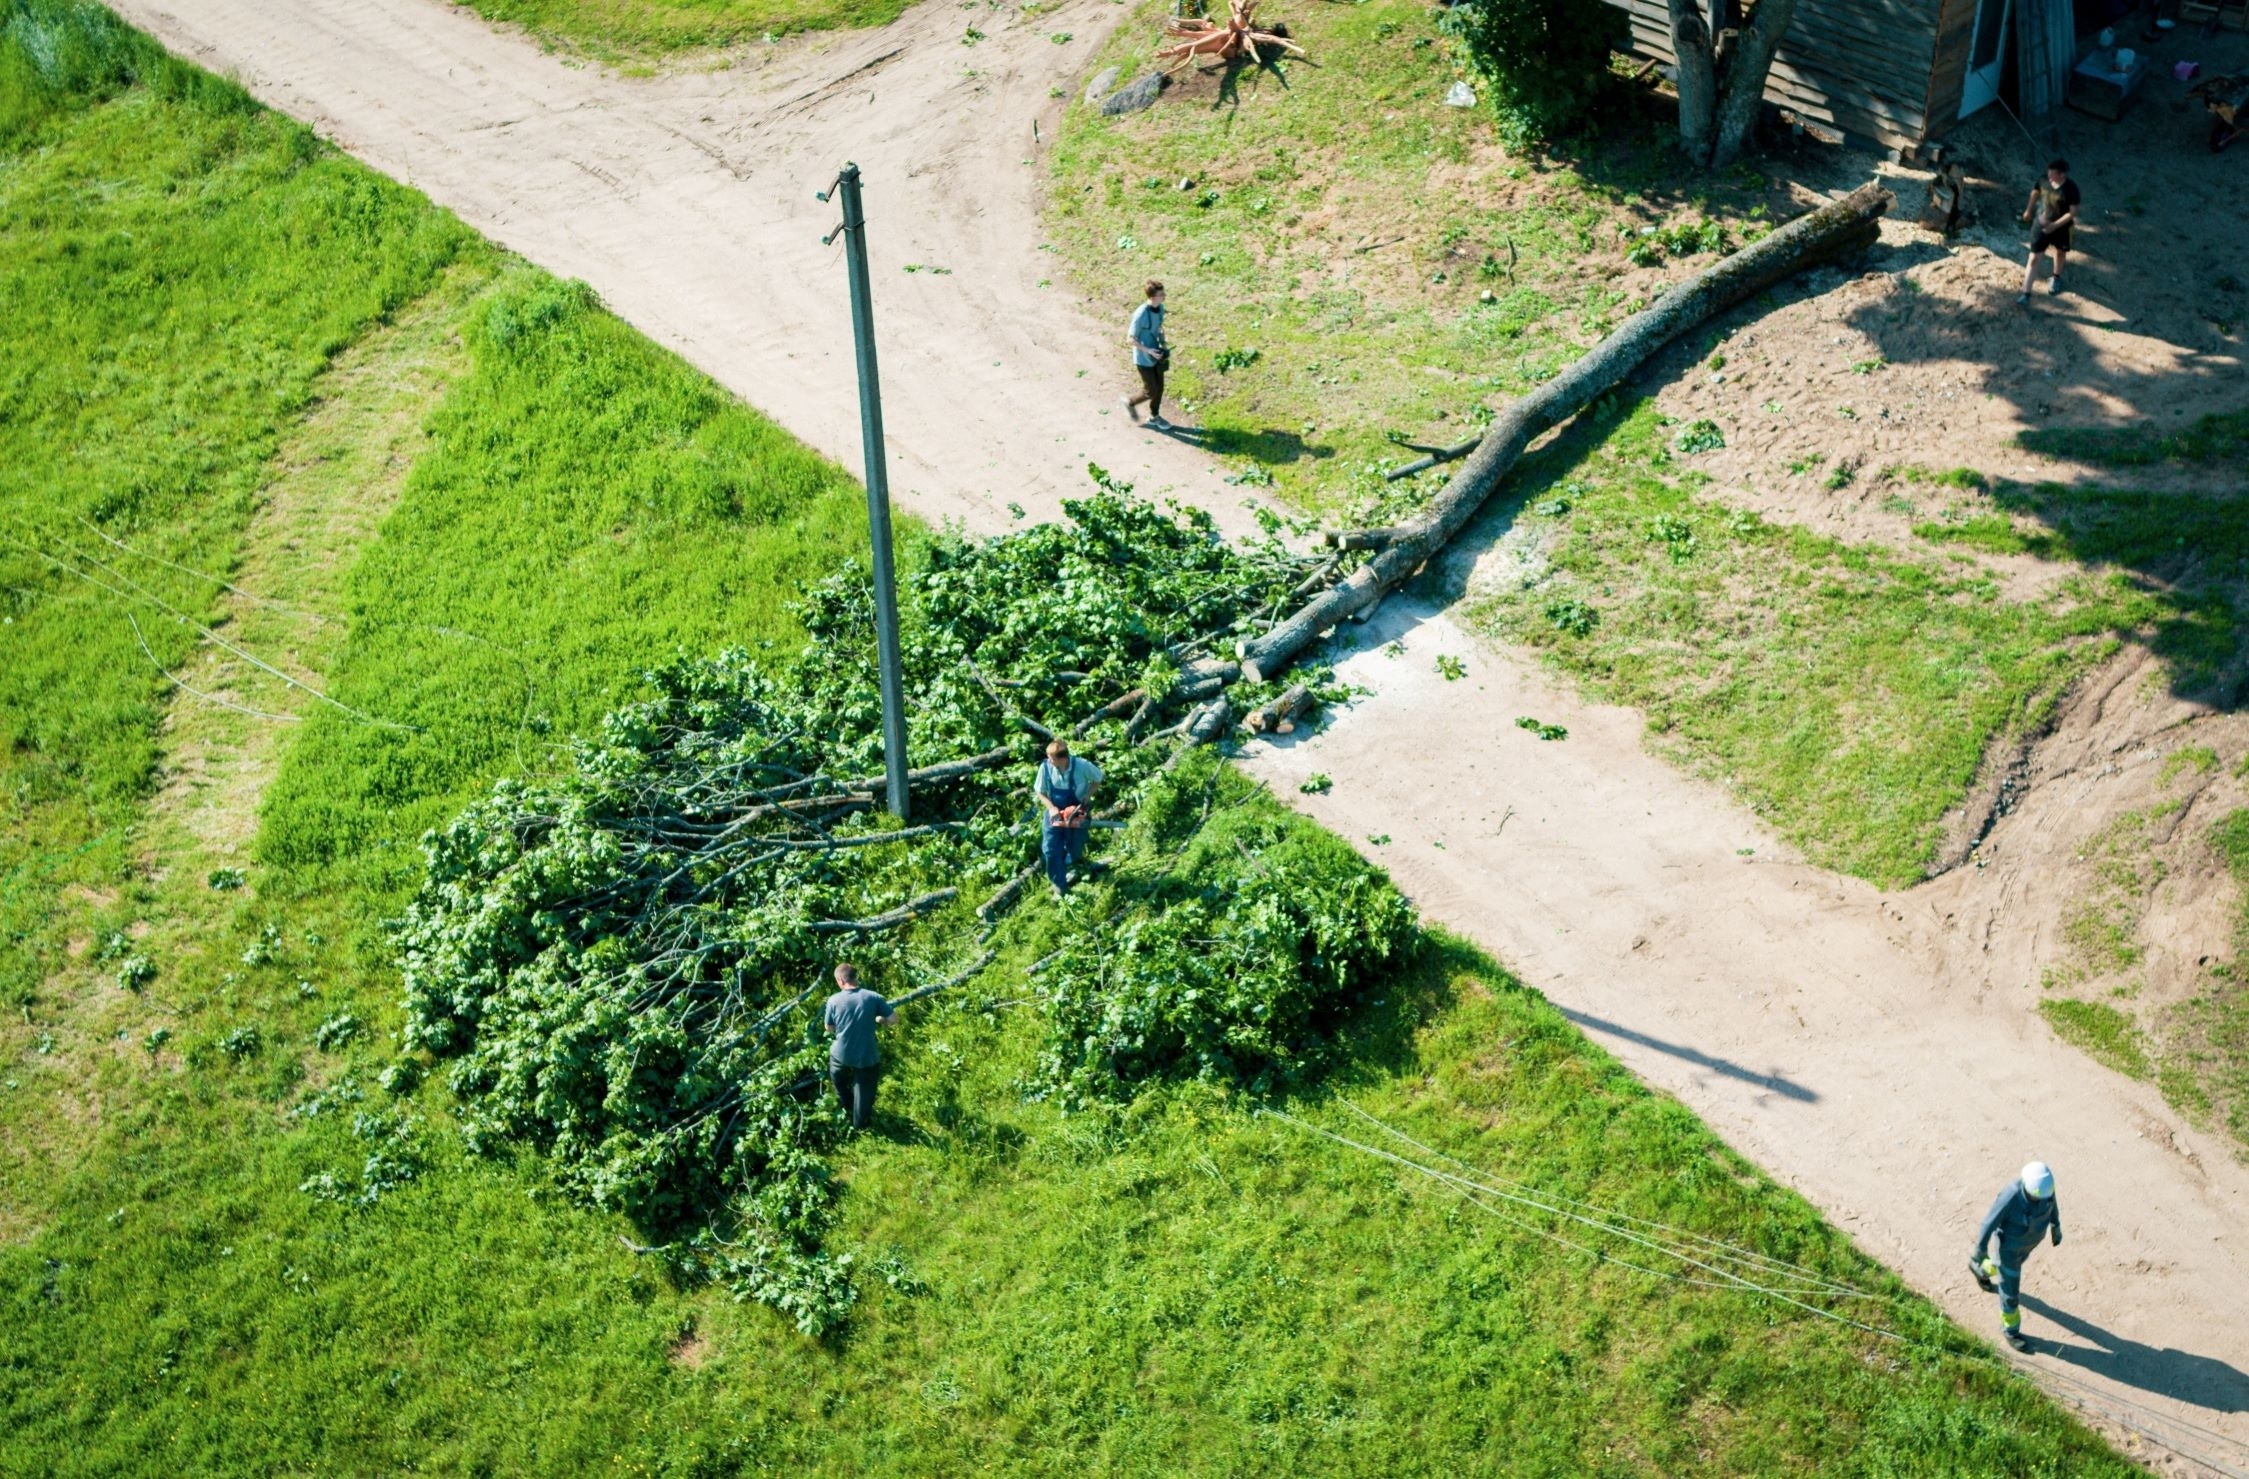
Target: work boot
2019 1341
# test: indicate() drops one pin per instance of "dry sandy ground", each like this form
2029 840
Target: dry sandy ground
1874 1051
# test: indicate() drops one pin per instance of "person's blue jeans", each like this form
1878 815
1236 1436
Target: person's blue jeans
1061 847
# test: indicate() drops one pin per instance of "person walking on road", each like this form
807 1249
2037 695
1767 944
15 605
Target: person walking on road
854 1062
2024 1212
2051 213
1151 356
1064 787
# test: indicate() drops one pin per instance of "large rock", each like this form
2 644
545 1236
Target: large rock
1132 99
1099 87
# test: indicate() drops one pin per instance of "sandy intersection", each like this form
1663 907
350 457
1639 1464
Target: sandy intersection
1826 1030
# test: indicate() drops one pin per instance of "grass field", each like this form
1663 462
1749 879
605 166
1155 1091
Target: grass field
474 512
1389 265
635 32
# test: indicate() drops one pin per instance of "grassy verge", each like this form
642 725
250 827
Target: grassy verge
2206 1041
1847 693
636 31
177 267
2107 1035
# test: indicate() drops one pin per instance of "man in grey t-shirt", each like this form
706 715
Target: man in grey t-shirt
854 1062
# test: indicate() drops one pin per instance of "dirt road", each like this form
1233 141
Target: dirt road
1862 1047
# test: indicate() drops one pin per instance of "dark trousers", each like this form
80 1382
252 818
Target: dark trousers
855 1090
1151 388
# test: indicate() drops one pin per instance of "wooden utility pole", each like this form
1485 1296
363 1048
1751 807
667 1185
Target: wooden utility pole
854 232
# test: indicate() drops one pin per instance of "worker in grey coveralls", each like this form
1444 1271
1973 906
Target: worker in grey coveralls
854 1062
2022 1214
1064 789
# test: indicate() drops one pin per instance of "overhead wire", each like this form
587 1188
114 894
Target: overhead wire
1795 1272
1726 1277
188 688
2178 1435
133 590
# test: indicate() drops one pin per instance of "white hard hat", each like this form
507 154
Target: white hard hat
2038 1180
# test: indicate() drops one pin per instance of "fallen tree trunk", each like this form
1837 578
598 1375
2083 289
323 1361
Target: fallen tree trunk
1835 229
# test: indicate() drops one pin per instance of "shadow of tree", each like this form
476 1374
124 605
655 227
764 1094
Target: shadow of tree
1271 446
2188 553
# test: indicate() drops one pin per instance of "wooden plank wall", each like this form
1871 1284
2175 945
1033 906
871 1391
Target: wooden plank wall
1956 32
2046 50
1860 66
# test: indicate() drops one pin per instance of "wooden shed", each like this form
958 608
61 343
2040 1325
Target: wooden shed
1903 72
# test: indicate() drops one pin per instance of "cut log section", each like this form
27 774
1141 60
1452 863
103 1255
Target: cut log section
1279 716
1836 229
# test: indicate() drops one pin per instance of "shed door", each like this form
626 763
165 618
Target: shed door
1987 55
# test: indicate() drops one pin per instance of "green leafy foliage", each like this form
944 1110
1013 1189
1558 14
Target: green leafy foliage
1572 616
1545 63
1700 436
1232 949
1234 359
616 957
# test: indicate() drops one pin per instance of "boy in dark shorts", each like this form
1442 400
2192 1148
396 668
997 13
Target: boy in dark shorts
1151 355
2050 214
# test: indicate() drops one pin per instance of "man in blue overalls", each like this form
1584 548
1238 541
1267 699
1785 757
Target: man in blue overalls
1064 787
2024 1212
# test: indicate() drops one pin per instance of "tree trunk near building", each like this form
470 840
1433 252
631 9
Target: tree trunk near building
1836 229
1722 76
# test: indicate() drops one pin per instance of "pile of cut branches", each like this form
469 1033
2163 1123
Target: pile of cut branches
624 962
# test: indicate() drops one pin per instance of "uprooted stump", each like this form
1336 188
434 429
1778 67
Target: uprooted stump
1836 229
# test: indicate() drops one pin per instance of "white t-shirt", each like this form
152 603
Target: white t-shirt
1082 776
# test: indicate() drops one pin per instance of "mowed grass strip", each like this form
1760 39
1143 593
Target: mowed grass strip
637 32
177 266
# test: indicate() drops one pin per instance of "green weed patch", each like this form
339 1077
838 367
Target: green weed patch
2219 437
2107 1035
1848 694
635 31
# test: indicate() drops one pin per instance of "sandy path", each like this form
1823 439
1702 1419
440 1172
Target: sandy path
1846 1040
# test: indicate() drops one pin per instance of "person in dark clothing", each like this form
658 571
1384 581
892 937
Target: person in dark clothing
2051 213
1151 355
2023 1212
854 1062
